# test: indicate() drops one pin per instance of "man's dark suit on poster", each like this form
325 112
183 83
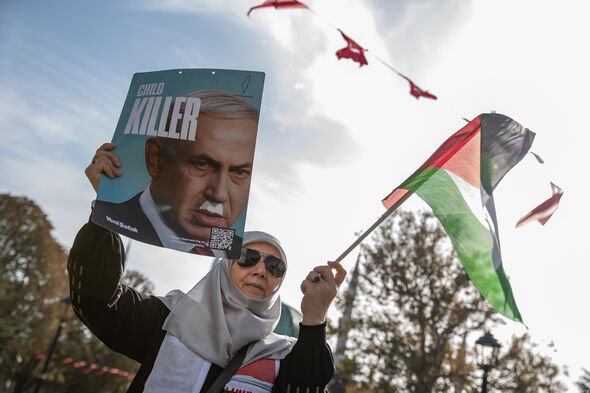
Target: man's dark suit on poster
132 216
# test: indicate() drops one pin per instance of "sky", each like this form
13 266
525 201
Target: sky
333 138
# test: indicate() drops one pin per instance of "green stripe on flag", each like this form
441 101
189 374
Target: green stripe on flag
470 238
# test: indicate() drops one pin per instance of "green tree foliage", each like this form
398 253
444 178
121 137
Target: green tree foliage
522 370
414 312
33 283
583 383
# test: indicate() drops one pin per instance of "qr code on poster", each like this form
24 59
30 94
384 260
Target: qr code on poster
221 239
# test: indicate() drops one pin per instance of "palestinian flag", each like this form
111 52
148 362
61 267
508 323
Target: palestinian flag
457 182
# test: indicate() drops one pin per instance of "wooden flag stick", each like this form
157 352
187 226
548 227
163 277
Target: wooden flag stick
375 225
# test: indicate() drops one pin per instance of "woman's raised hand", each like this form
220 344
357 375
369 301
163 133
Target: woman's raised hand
104 161
319 289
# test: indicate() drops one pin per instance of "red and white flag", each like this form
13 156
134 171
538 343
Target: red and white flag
352 51
545 210
279 4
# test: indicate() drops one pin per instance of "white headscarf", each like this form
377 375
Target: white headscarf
215 319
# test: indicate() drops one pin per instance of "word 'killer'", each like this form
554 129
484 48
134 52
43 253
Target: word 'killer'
147 110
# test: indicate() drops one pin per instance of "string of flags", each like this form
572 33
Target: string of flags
356 53
89 368
352 50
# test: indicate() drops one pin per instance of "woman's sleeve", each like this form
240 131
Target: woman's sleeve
309 366
119 316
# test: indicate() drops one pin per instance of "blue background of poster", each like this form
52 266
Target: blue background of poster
178 82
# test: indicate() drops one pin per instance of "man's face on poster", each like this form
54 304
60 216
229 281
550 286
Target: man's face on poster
203 184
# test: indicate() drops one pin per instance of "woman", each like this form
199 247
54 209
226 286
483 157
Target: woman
183 342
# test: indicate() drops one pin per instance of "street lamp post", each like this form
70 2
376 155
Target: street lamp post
487 348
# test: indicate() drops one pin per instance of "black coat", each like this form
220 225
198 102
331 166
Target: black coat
131 323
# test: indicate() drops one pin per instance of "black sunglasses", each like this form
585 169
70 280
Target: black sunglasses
274 265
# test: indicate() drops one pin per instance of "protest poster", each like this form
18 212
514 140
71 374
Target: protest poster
185 140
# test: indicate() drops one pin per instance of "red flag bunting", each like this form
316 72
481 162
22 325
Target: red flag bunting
90 368
279 4
353 51
418 92
545 210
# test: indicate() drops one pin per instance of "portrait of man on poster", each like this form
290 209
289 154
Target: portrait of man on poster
196 187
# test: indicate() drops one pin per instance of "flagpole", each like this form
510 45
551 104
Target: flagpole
372 227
